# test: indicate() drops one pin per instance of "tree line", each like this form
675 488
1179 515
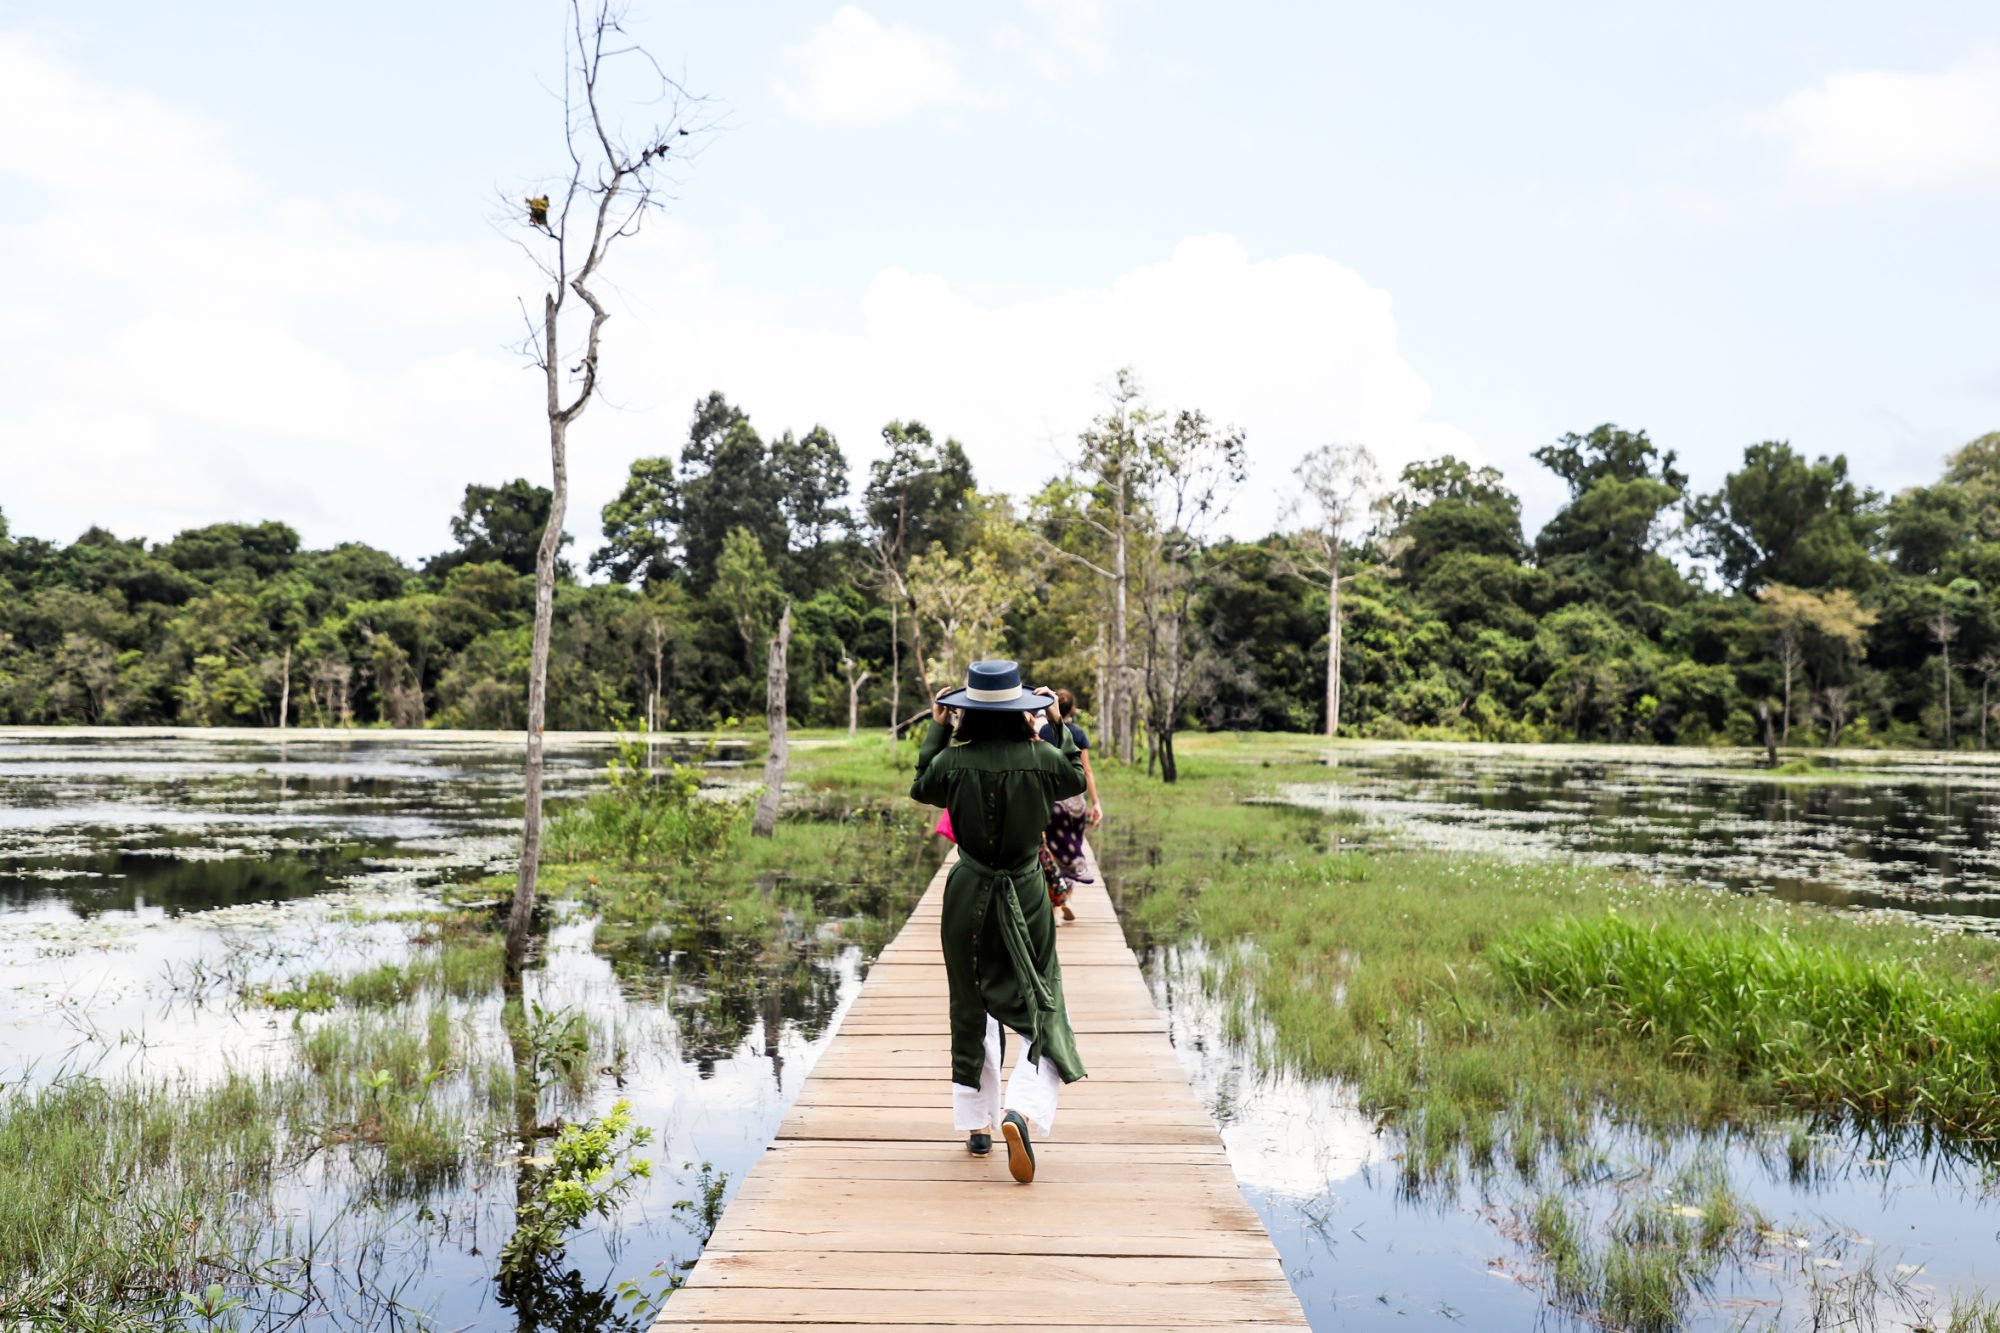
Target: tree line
1792 604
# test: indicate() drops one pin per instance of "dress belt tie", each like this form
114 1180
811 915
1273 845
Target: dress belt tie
1014 935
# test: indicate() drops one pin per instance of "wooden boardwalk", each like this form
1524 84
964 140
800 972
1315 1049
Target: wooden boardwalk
867 1211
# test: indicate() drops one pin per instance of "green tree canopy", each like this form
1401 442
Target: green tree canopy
1782 519
919 488
497 523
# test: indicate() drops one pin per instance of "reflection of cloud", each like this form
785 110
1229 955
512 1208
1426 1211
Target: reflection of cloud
1286 1135
857 70
1294 1136
1895 130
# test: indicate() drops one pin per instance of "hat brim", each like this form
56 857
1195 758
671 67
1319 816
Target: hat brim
1026 702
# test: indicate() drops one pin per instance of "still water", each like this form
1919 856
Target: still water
137 873
133 869
1855 1241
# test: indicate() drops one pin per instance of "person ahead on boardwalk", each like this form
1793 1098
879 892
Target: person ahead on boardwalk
984 762
1067 821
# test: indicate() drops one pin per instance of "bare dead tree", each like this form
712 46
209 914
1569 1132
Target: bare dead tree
1117 449
1832 706
613 181
856 675
1988 666
1192 466
777 682
1335 483
1945 630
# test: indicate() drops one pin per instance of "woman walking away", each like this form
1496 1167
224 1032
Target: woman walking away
983 760
1067 821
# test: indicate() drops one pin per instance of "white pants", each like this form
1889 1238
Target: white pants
1032 1090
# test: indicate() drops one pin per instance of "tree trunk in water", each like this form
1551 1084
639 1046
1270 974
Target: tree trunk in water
285 691
1770 734
1785 730
523 910
776 676
1947 695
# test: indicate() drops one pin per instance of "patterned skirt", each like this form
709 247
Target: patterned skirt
1065 838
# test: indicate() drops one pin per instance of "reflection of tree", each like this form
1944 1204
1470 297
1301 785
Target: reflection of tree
566 1303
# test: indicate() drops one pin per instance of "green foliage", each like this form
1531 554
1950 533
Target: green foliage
581 1175
1606 626
652 810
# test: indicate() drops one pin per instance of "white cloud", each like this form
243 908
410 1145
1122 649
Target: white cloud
856 70
181 342
298 359
1297 350
1071 38
1894 130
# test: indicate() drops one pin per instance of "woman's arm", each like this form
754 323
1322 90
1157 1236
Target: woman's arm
928 786
1090 785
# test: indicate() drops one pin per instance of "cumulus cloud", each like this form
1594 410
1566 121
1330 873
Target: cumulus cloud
1297 350
180 342
297 359
857 70
1896 130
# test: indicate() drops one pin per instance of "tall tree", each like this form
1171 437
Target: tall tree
1191 468
1335 483
1098 513
1608 536
812 477
641 525
917 498
1782 519
573 224
727 482
498 524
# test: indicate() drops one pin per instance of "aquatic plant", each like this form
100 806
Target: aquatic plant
1826 1028
652 809
579 1176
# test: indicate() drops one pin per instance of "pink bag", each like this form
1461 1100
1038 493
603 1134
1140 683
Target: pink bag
943 829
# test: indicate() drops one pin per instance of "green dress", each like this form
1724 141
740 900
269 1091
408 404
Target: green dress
999 932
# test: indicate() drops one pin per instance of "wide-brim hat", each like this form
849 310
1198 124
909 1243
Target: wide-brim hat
995 687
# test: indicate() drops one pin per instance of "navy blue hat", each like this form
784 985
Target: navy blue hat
995 687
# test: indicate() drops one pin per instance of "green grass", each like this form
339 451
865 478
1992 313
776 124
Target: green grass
1336 956
1818 1023
115 1195
455 954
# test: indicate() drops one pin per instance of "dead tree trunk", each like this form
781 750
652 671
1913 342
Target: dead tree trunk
521 914
1333 648
855 680
285 690
776 680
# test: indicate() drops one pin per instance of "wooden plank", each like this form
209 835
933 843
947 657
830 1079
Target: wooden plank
866 1211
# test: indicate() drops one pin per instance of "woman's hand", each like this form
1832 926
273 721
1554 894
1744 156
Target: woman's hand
1037 718
1096 814
939 713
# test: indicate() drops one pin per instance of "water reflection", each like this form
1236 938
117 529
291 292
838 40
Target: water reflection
147 883
1909 835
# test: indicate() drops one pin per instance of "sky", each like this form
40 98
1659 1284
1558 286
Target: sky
256 260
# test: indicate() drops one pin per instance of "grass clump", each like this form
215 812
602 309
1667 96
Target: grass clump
117 1197
647 813
1816 1023
1335 955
